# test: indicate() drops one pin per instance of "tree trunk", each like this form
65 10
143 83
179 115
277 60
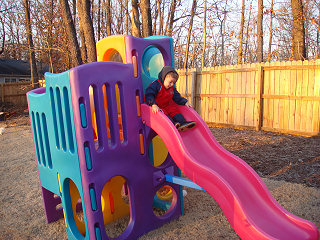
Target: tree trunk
318 36
49 37
204 34
83 48
173 9
194 5
260 32
71 33
298 31
160 18
108 12
33 65
120 23
86 23
146 18
271 32
74 10
246 51
99 19
135 22
127 18
194 53
3 37
241 33
222 33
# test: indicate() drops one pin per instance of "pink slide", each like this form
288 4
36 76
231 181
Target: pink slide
243 197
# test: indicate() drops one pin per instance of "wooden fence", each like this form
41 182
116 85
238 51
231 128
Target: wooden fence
15 93
280 96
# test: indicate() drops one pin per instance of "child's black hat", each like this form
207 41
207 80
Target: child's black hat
165 70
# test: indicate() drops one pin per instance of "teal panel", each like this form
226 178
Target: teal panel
55 141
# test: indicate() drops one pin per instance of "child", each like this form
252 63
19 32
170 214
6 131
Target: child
161 94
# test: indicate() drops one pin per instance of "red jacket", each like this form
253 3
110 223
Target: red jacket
166 99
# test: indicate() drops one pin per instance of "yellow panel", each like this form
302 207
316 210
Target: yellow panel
107 46
93 114
160 151
75 195
165 193
113 206
59 182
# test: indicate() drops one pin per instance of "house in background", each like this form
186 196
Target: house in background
15 81
12 70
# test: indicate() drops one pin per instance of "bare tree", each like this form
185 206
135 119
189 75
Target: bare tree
33 65
71 33
3 36
83 48
99 19
108 13
49 33
127 17
298 31
213 39
241 33
260 32
222 30
271 31
247 53
146 18
204 34
87 26
159 17
135 22
318 35
194 5
84 54
171 19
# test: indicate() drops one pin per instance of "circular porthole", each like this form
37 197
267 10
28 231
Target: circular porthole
77 207
115 203
164 201
112 55
152 62
158 151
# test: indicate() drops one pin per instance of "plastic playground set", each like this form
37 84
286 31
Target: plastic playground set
103 155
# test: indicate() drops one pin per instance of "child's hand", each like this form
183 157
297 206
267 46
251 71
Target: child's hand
188 105
155 108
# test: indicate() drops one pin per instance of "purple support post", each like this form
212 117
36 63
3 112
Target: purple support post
110 156
50 203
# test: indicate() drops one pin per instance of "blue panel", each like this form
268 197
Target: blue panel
83 115
46 140
182 181
98 233
93 199
158 203
88 158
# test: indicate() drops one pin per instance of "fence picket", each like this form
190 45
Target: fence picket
310 93
304 92
292 92
316 104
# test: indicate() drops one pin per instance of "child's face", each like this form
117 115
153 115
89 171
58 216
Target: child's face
169 81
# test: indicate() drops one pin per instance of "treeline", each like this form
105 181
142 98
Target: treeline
63 33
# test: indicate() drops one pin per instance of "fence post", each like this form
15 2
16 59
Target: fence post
2 92
193 88
259 98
